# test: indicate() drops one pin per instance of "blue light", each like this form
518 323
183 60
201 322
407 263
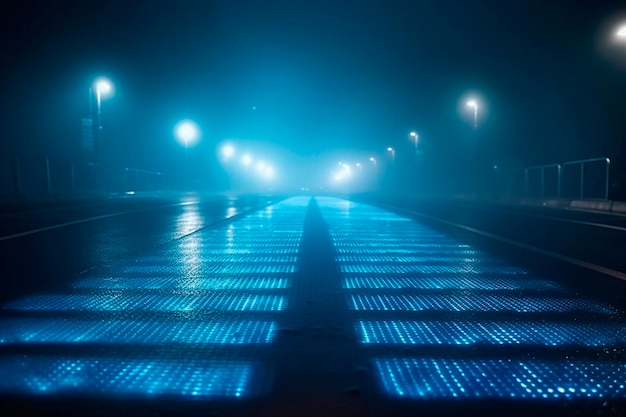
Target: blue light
216 282
449 378
416 258
149 302
460 281
474 302
213 268
135 332
454 267
189 378
497 333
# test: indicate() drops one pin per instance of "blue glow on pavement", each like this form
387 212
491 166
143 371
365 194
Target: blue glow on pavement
150 302
135 332
453 267
458 281
497 333
216 282
450 378
189 378
233 269
474 302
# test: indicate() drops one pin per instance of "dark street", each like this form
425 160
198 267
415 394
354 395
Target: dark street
304 306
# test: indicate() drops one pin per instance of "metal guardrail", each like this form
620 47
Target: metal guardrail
582 163
542 168
561 176
28 175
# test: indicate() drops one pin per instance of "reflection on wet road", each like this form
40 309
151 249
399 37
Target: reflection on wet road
211 316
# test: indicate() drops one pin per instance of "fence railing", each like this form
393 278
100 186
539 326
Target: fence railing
569 179
20 176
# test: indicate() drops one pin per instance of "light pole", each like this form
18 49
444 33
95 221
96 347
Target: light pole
415 137
474 105
101 88
187 133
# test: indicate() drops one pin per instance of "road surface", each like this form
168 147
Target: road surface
309 306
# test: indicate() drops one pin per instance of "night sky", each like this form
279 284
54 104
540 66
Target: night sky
318 77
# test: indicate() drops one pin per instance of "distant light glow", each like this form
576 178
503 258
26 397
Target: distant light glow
187 132
390 149
472 104
246 159
103 86
228 151
621 32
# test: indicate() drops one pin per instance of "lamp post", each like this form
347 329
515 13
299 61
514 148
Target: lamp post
187 133
474 105
101 88
415 137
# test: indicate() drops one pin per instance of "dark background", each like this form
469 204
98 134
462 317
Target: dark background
319 78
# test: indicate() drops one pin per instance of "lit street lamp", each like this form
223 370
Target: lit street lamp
103 88
474 105
187 132
620 33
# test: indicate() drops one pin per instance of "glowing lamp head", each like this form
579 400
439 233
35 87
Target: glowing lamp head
472 104
413 134
620 34
187 132
103 86
246 160
372 159
390 149
228 151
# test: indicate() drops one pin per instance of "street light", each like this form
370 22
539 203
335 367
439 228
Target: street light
187 132
228 151
246 159
473 104
620 33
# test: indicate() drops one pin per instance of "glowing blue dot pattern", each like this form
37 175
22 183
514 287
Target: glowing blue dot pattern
456 281
150 302
220 282
216 268
167 299
449 378
135 332
391 259
382 268
496 333
474 302
132 377
392 264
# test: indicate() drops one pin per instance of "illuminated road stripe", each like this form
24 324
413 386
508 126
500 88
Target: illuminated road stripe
584 264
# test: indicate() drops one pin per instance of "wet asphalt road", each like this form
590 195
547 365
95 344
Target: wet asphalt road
302 306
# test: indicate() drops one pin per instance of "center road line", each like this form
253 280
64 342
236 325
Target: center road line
602 225
584 264
90 219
